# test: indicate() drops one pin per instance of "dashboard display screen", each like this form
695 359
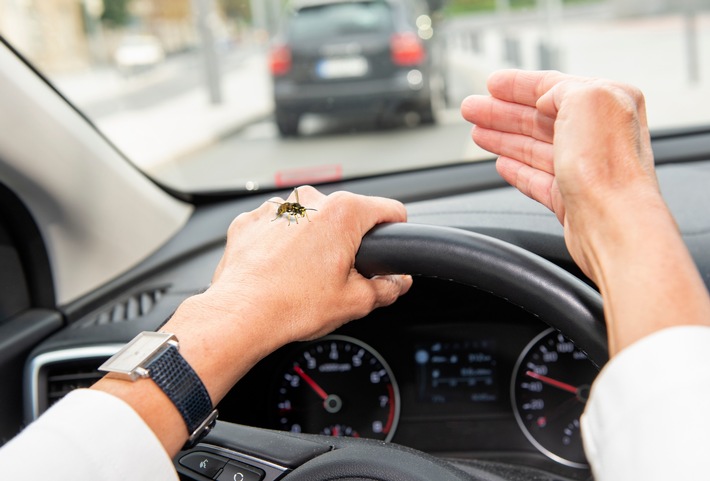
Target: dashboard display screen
457 372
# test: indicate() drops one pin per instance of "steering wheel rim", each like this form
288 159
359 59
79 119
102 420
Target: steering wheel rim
531 282
522 278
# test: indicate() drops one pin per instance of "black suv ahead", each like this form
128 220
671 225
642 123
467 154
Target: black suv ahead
358 57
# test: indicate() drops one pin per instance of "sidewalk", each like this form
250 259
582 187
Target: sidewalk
187 122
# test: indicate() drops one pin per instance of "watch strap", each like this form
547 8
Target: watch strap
172 373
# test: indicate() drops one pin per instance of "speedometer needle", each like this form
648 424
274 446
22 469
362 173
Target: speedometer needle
552 382
309 380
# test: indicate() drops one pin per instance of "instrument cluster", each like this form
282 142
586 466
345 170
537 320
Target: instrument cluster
447 370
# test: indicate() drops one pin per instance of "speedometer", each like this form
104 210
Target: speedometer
337 386
550 387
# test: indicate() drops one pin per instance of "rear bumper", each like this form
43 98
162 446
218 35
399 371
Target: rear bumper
357 96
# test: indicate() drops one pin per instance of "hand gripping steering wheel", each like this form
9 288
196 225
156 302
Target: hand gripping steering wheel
547 291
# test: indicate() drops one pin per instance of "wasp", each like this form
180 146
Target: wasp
294 209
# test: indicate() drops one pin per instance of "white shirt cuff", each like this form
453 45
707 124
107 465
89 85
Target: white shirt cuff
648 415
88 435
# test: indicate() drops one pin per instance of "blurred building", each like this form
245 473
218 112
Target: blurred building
52 36
629 8
66 35
171 21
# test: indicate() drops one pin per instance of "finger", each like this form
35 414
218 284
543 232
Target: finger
534 153
527 87
307 195
550 103
390 288
534 183
386 210
362 211
522 86
504 116
378 291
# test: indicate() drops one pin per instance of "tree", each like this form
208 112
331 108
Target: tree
116 13
236 8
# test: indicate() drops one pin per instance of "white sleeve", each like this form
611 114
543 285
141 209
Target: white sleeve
88 435
648 415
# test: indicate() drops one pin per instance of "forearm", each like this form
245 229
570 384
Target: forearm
217 344
644 271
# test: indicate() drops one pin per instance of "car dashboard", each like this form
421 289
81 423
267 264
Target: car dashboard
442 371
448 369
454 360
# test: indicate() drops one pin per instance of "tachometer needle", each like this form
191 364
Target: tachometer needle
309 380
552 382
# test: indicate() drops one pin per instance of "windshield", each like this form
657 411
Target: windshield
240 95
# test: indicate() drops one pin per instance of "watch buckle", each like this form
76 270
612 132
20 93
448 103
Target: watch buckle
202 430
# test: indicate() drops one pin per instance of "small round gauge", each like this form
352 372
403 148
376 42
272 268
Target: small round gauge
337 386
550 387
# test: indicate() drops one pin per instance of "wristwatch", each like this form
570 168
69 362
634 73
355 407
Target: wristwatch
155 355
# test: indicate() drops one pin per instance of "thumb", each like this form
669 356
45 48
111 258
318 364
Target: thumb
378 291
389 288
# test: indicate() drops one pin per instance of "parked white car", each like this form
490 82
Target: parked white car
138 52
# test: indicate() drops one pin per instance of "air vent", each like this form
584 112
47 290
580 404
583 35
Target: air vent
52 375
130 308
62 379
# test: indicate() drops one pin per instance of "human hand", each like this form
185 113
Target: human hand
302 276
582 148
579 146
275 283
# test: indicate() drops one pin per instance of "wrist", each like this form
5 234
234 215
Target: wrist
156 356
637 254
214 345
612 228
221 340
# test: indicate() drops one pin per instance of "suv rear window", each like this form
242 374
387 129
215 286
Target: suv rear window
335 19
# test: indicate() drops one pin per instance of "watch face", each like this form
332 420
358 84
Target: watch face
136 353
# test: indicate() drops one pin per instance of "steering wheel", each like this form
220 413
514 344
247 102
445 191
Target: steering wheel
557 297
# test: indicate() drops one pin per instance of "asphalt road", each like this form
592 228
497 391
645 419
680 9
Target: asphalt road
326 150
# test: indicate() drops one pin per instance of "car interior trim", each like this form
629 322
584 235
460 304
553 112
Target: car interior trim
108 242
39 362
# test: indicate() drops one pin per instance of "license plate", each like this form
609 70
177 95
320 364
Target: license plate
334 68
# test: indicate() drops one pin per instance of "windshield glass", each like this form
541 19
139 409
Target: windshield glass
240 95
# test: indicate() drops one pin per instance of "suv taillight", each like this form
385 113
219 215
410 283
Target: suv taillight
280 60
407 49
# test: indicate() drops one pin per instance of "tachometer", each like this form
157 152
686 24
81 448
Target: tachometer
550 387
337 386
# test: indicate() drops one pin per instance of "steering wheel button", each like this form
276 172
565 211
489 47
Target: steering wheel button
240 472
206 464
